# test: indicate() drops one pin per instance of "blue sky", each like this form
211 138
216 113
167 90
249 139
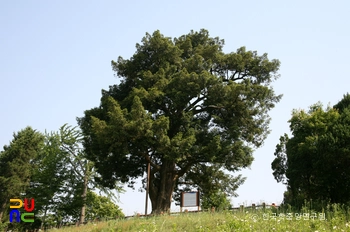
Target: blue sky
55 58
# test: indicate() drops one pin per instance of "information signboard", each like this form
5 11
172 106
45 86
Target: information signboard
189 199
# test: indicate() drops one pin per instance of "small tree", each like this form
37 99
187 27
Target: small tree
62 177
217 200
49 170
101 207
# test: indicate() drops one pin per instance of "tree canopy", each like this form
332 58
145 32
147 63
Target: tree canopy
181 104
16 165
51 169
314 162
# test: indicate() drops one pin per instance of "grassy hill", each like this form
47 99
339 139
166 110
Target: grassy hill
247 220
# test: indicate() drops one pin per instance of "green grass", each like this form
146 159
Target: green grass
249 220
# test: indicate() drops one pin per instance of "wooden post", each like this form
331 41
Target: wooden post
181 201
198 200
147 187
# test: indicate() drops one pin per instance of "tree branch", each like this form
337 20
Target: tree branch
205 108
70 151
183 170
240 76
194 103
148 159
185 182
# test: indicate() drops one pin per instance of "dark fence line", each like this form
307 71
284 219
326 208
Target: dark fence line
234 209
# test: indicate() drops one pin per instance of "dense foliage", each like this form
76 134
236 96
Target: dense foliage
314 162
16 165
183 105
51 169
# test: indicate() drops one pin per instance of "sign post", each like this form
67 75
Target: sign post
147 188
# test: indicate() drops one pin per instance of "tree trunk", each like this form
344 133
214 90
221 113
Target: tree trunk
161 189
2 210
83 196
44 218
83 208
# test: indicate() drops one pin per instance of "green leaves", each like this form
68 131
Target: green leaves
279 164
101 207
181 102
16 164
313 162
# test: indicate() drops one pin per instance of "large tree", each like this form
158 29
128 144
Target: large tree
181 103
314 162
